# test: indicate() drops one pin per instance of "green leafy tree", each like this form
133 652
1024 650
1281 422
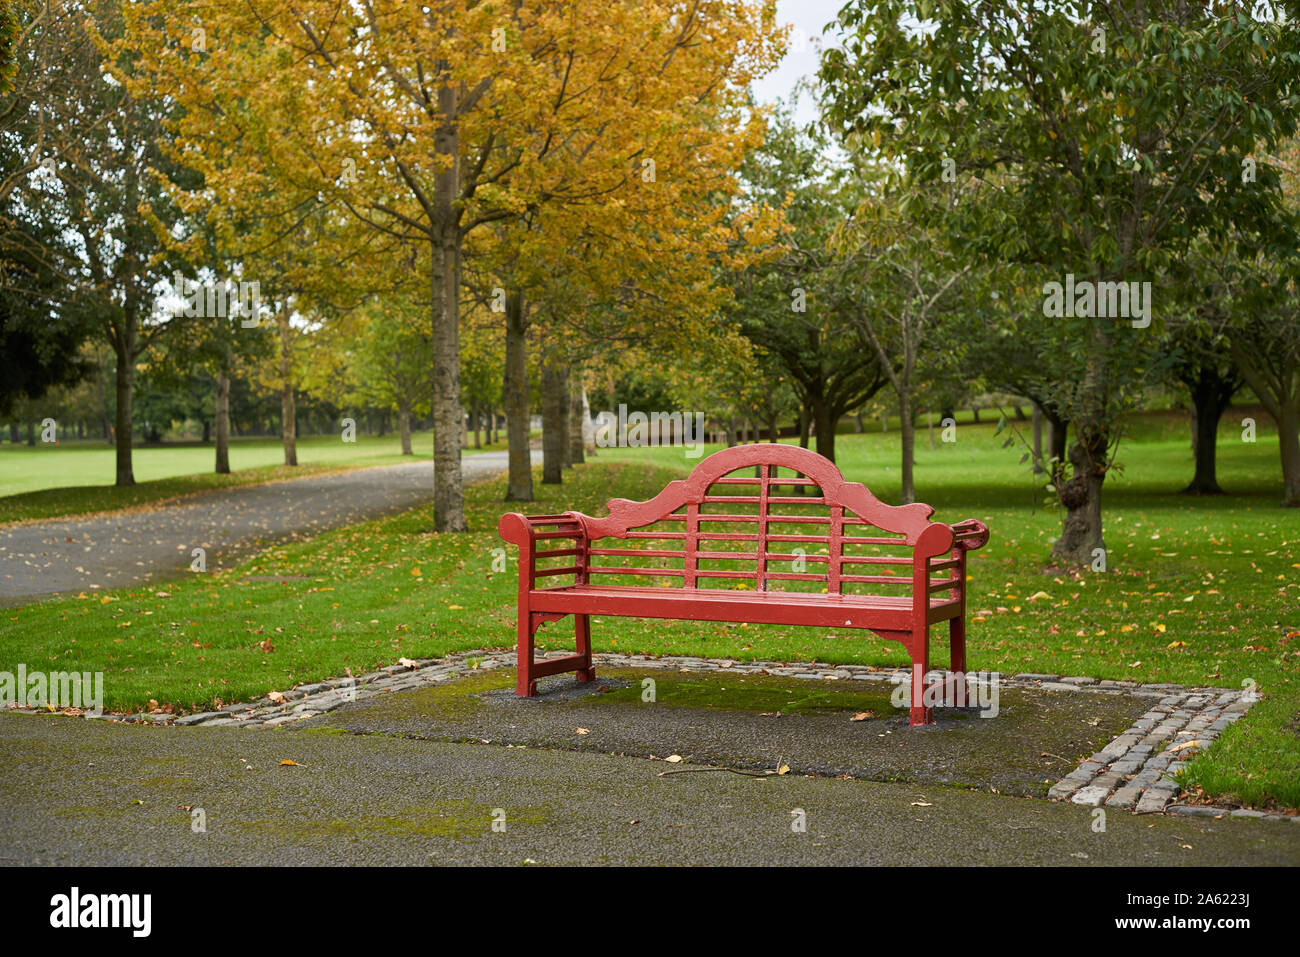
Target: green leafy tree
1116 132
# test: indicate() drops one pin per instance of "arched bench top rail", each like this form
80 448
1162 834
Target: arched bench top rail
624 515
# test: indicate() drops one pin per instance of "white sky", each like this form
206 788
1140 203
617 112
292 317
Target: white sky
808 17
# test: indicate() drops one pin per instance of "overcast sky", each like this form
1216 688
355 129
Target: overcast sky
808 17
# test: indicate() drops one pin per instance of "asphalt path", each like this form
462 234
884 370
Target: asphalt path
119 549
81 792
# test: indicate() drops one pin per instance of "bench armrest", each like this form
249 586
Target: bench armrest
970 534
528 531
523 530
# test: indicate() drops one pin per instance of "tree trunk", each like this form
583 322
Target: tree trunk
122 433
1081 534
908 428
577 445
1208 404
825 422
448 419
520 482
555 414
14 435
1278 389
1058 436
288 408
975 412
773 429
804 421
1038 440
404 428
884 422
929 421
223 423
1288 425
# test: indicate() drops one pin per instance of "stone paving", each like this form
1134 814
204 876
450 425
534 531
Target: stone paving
1135 771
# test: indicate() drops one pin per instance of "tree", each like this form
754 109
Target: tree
797 302
110 200
430 122
392 352
1119 132
913 280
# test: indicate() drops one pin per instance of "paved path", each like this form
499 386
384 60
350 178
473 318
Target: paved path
97 793
118 549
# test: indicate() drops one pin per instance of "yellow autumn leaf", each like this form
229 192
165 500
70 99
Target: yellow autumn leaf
1159 626
1176 644
585 731
783 769
862 716
674 759
416 571
289 764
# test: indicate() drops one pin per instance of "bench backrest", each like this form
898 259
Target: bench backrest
740 517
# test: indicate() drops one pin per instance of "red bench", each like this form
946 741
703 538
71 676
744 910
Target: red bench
719 524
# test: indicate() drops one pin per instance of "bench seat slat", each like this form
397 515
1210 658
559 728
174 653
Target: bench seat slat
884 612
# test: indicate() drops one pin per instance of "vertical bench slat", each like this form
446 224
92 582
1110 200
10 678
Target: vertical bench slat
692 543
761 562
833 567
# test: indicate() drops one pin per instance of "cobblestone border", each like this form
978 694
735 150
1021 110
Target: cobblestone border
1135 771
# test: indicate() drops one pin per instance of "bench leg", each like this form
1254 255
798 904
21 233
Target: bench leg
957 655
525 685
582 632
919 714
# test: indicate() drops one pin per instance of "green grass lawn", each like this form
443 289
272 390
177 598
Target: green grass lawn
32 479
1201 591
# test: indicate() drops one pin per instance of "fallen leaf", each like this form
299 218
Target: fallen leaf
674 759
289 764
406 662
863 716
783 769
276 697
1184 746
582 731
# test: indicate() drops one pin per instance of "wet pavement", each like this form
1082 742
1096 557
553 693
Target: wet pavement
77 791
